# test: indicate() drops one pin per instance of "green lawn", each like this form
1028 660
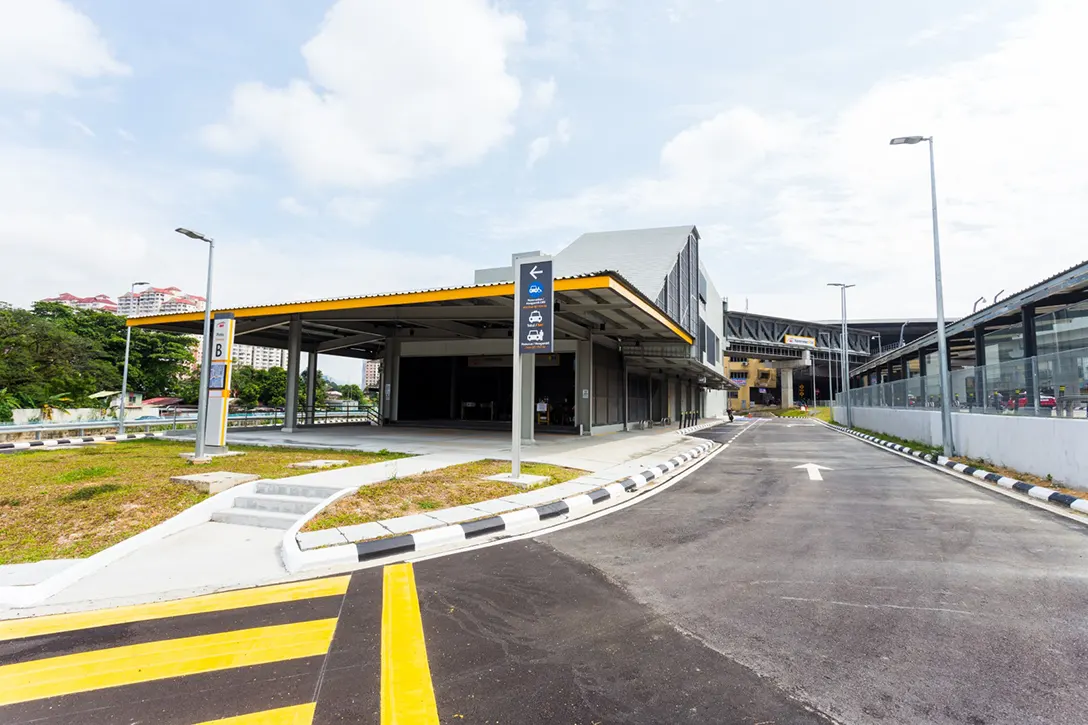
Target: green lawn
71 503
444 488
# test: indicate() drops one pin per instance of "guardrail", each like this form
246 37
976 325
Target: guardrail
320 416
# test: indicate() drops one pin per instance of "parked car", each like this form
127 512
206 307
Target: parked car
1045 401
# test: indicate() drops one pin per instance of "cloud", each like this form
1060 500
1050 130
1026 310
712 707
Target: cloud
800 195
541 145
47 46
81 127
543 94
395 90
293 206
355 210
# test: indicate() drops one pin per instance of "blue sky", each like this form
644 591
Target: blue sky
358 146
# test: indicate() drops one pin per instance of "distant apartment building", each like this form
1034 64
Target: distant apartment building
158 301
103 303
260 358
372 374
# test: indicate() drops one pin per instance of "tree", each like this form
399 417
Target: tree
54 404
8 402
274 387
351 391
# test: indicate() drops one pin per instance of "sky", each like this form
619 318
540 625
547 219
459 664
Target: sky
360 146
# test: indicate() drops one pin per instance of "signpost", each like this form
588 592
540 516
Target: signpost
219 375
534 327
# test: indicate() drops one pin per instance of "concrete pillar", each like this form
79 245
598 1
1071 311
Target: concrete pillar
583 388
454 413
294 352
311 386
924 402
390 380
626 396
528 397
981 394
785 383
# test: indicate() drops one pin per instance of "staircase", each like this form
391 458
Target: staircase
274 504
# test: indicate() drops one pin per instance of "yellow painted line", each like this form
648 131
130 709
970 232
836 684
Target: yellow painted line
293 715
116 666
293 592
407 691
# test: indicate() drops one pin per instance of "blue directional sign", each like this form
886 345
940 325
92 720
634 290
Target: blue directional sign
536 302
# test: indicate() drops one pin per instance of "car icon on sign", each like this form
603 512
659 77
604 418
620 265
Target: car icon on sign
535 336
536 289
535 317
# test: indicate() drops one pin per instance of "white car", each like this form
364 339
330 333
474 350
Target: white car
535 336
535 318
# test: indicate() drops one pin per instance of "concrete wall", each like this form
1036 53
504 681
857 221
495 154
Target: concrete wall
1041 446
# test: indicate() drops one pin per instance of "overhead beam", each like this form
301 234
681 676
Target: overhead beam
412 314
347 342
247 327
457 328
580 308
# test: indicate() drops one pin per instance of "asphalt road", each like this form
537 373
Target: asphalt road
743 593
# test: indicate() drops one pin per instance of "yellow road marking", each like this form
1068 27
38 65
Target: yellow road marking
30 627
407 691
68 674
293 715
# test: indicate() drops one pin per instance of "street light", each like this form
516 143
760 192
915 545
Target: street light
844 364
879 342
124 375
942 343
205 362
901 330
975 308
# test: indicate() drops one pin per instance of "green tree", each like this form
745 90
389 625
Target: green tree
351 391
274 387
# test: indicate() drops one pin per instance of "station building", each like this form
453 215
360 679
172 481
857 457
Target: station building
638 339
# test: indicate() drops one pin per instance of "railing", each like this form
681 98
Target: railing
1045 385
242 419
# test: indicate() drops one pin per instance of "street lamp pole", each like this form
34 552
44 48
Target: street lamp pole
844 362
205 362
942 342
124 375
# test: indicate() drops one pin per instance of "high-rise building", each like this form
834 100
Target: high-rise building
102 303
158 301
261 358
372 374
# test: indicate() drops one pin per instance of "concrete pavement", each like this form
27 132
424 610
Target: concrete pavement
743 592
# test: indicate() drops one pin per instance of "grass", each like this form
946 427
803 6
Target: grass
71 503
444 488
823 414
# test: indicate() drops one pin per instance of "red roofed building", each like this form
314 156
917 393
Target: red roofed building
99 302
158 301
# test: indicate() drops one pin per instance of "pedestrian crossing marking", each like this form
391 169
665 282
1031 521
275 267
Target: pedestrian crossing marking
293 715
131 664
279 593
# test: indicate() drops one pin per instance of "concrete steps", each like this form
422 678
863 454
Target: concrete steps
274 504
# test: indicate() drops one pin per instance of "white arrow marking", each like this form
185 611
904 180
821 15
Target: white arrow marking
535 272
814 470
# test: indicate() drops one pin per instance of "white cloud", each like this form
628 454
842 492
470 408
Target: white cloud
46 46
805 195
126 135
355 210
541 145
293 206
81 127
394 90
543 94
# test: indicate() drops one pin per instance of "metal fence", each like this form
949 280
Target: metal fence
186 420
1045 385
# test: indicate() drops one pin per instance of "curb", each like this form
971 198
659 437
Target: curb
512 522
1040 492
54 442
696 428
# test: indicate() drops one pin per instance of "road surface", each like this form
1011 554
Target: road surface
746 592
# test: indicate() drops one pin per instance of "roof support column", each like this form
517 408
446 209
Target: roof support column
924 402
981 397
311 386
626 396
390 380
583 405
294 352
785 384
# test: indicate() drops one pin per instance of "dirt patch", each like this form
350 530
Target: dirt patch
444 488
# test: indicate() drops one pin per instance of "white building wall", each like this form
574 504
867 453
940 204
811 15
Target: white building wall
715 400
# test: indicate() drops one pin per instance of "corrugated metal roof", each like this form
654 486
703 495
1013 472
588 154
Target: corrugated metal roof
643 256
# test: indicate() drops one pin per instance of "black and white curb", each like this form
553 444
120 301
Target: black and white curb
54 442
696 428
1040 492
510 523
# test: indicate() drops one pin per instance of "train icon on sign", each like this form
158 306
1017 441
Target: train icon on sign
536 289
535 336
535 317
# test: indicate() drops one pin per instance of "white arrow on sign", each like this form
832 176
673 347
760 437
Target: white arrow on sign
535 272
814 470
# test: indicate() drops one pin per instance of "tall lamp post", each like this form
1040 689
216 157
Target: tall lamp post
942 343
205 365
844 362
124 375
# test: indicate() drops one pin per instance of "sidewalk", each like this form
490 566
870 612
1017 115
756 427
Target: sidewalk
216 556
